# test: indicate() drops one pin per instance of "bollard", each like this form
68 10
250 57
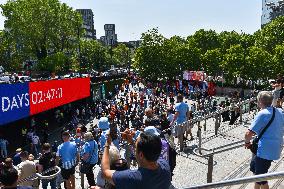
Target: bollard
204 124
210 169
199 138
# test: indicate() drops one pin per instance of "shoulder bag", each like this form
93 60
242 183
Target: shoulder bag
254 145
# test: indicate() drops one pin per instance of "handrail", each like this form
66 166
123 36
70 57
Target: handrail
58 171
227 149
256 178
41 175
217 150
220 111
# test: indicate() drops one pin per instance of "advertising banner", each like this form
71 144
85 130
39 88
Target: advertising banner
45 95
25 99
15 102
194 75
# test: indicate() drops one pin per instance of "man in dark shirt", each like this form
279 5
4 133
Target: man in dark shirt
153 173
46 161
16 158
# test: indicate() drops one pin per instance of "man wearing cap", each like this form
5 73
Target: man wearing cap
104 126
69 156
165 145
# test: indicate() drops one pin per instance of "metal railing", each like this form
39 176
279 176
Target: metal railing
210 153
217 116
214 151
237 181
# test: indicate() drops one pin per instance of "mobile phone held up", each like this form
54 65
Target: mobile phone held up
113 131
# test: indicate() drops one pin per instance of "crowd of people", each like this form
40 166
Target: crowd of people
134 129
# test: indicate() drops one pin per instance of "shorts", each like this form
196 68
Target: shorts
66 173
260 166
180 129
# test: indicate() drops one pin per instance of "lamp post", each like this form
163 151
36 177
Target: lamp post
111 52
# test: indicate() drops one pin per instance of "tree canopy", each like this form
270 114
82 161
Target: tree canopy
39 26
249 56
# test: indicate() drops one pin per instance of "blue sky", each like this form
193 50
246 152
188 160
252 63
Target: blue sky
172 17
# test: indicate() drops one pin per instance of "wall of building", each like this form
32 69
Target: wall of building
266 10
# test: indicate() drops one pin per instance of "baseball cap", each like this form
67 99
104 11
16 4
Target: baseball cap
103 123
152 130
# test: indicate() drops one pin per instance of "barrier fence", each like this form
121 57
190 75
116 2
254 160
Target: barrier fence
257 178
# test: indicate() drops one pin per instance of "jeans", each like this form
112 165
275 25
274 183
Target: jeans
4 151
52 183
36 149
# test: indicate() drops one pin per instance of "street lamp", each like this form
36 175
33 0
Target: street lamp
111 52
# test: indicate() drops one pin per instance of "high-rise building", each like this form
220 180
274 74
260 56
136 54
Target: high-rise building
271 9
88 23
110 37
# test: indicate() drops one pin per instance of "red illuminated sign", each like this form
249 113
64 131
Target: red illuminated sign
45 95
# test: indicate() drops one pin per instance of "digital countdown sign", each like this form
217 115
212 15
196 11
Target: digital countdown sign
24 99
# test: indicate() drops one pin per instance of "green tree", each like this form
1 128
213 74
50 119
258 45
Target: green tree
57 63
205 40
234 61
271 35
278 60
149 56
121 54
40 26
258 64
228 39
212 61
93 55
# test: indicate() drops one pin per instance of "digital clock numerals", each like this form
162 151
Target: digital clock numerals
45 96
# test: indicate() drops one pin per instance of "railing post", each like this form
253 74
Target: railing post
210 169
199 138
241 112
82 181
219 119
216 124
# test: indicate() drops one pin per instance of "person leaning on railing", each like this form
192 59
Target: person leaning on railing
271 142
